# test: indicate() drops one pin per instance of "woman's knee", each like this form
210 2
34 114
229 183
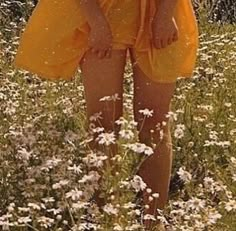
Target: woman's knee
101 78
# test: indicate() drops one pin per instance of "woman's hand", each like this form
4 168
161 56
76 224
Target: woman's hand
164 29
100 39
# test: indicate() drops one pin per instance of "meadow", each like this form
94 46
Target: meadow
48 174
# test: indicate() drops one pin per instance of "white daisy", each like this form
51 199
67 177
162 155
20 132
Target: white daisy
110 209
184 175
195 204
137 183
75 194
146 112
230 205
106 138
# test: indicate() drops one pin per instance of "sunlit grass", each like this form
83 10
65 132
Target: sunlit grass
48 172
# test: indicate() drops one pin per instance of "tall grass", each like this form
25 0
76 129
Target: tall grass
48 173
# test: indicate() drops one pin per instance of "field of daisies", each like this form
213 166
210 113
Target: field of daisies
48 174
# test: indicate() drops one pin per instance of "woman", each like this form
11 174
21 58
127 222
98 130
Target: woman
162 39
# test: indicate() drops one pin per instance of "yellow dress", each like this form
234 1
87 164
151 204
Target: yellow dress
55 38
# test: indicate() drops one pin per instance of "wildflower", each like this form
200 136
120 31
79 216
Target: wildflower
184 175
132 124
220 187
23 209
11 207
146 112
213 135
74 194
24 219
98 129
230 205
55 211
115 97
93 176
223 144
213 216
209 143
156 195
110 209
63 182
48 199
121 121
199 118
45 221
149 217
228 104
161 134
79 205
117 227
136 147
171 115
137 183
106 138
190 144
60 184
96 116
24 154
126 134
65 222
34 206
59 217
56 186
232 132
234 177
75 168
195 204
210 125
94 160
179 131
150 198
209 183
124 183
148 151
53 162
129 205
206 107
140 148
109 98
70 136
233 160
177 212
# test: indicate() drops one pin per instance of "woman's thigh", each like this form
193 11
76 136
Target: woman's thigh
103 77
151 95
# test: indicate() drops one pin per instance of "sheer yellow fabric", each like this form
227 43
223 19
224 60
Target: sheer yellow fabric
55 38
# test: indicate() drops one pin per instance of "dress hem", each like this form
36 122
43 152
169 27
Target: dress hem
70 78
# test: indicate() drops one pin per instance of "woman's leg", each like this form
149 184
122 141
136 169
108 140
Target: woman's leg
103 77
156 169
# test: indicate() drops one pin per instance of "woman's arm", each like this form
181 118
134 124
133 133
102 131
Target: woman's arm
167 6
93 12
164 28
100 36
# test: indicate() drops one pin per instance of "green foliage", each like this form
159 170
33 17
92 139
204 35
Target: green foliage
44 152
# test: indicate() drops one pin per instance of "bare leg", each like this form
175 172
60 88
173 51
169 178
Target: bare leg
156 169
103 77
